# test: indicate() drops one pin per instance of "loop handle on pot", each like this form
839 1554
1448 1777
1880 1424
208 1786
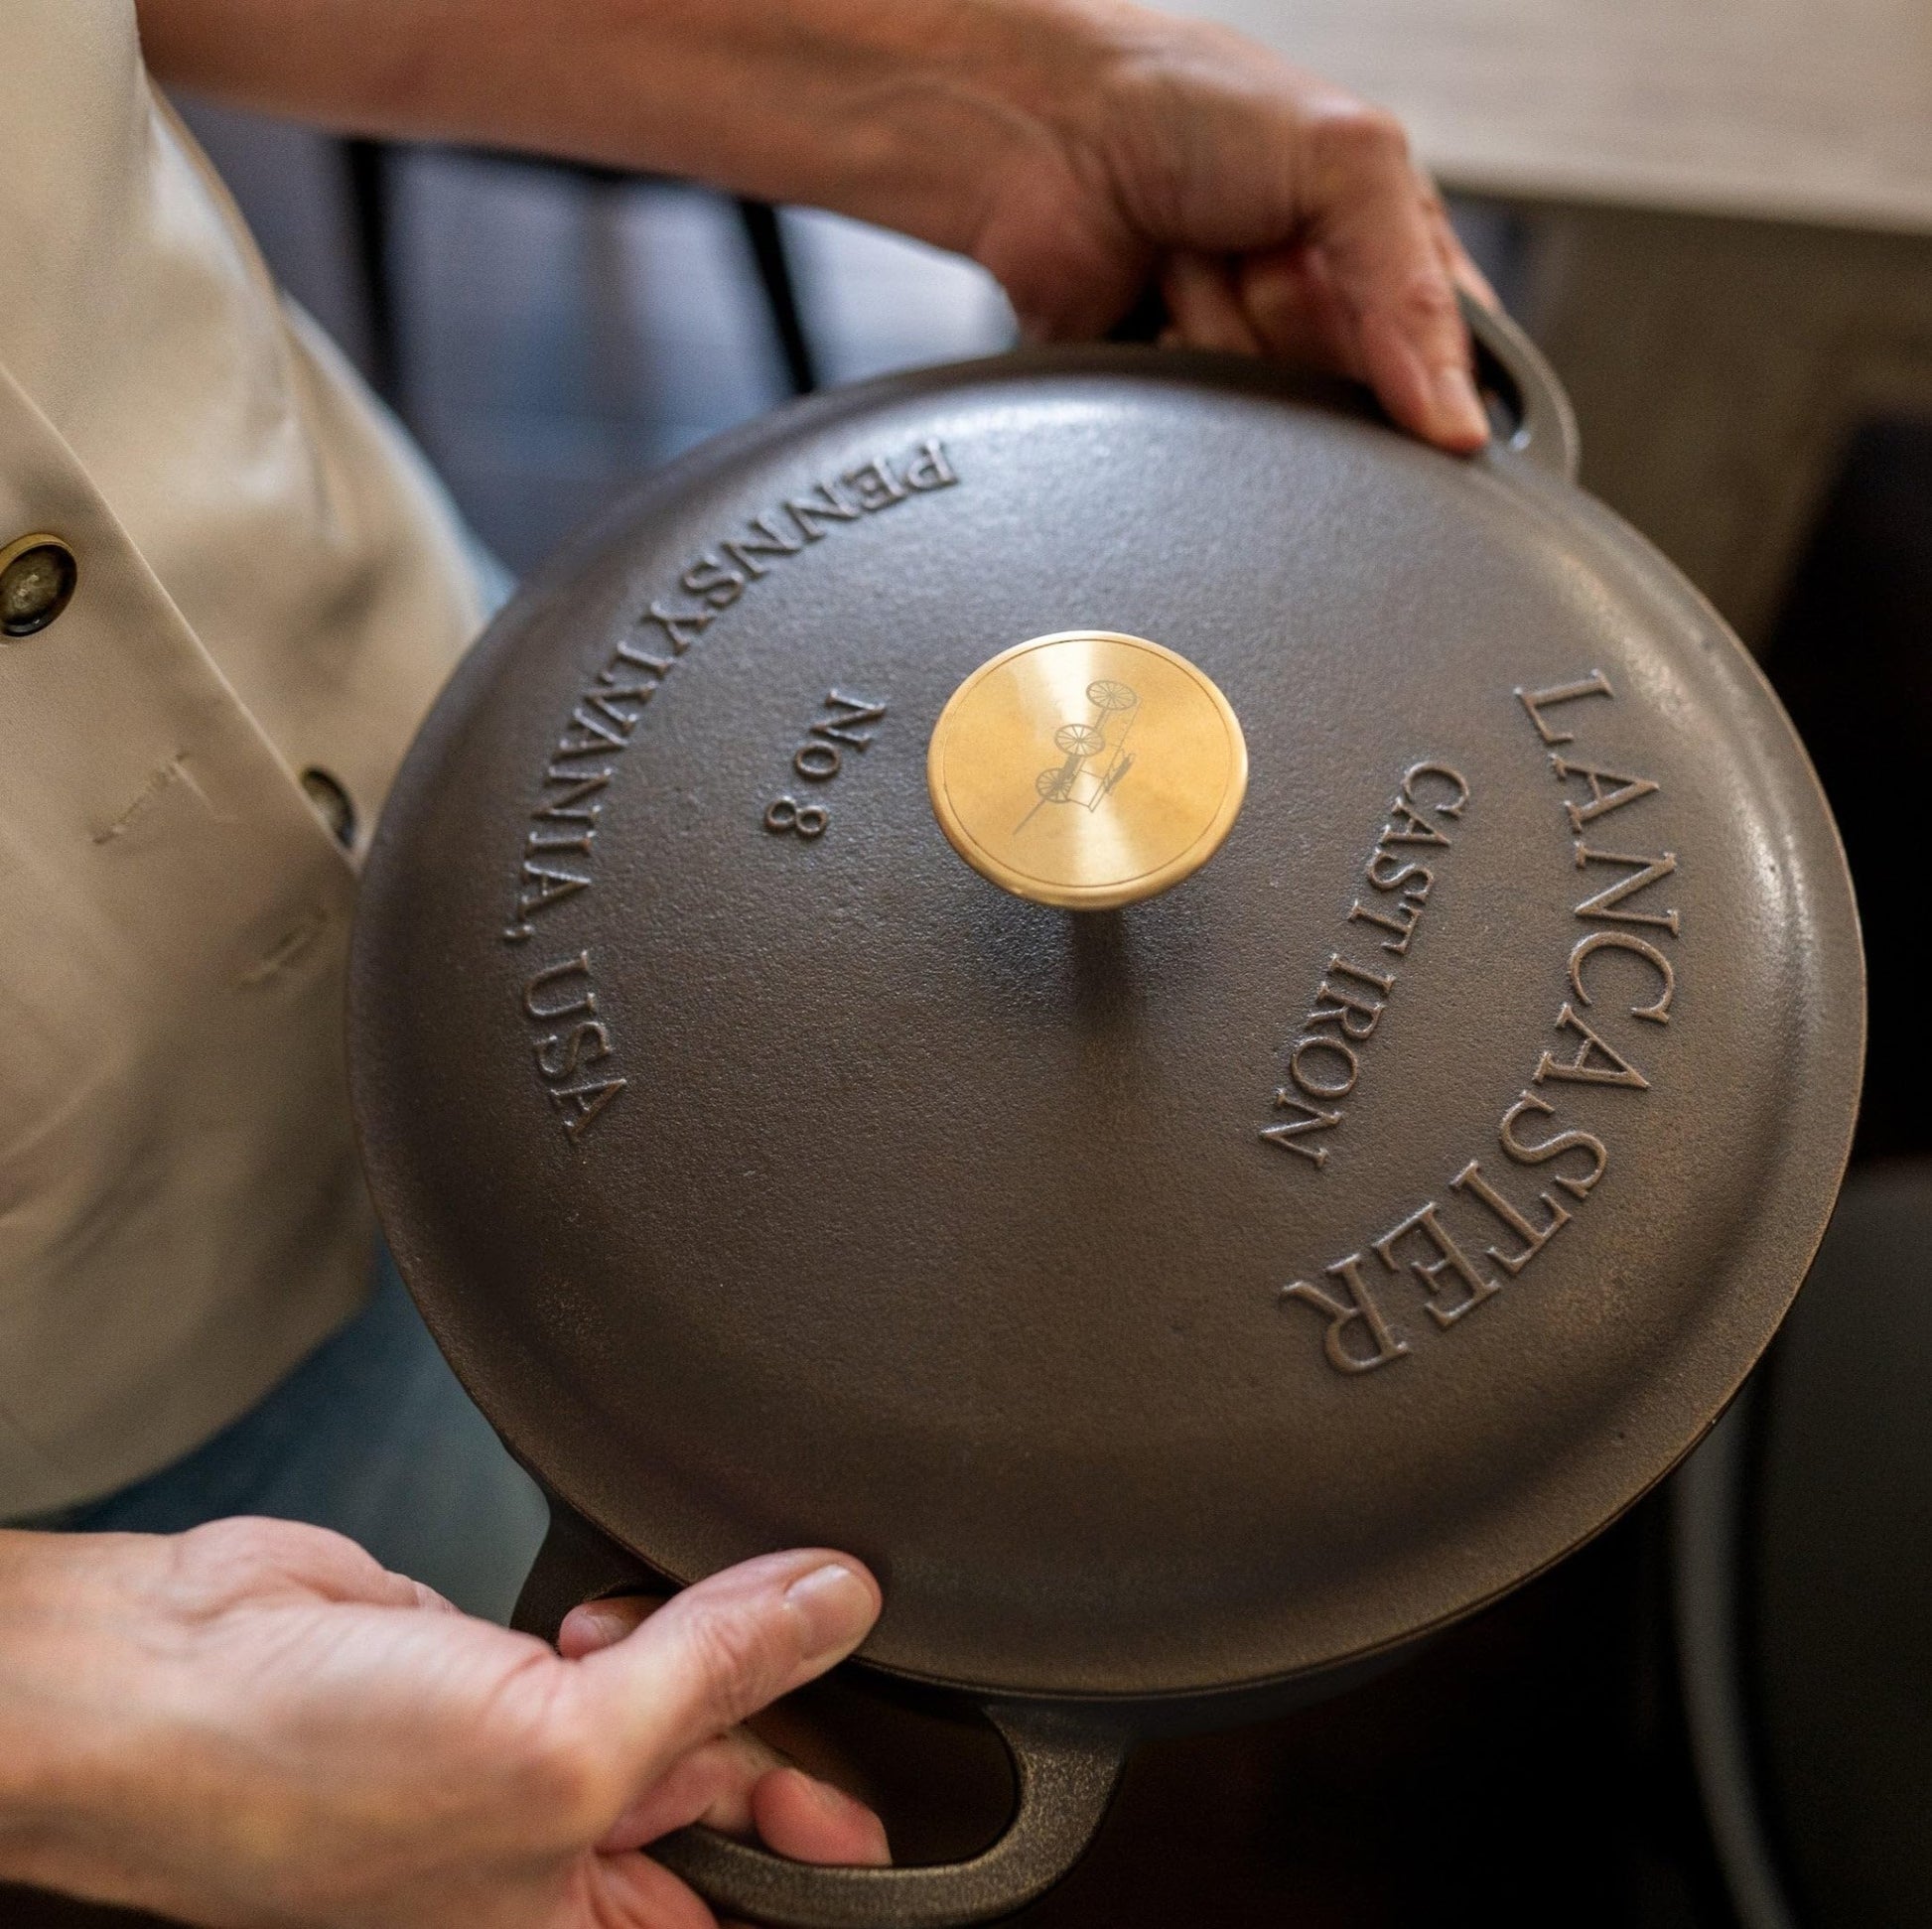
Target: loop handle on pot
1511 367
1065 1767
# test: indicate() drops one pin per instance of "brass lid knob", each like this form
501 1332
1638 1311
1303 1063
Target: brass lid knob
1088 770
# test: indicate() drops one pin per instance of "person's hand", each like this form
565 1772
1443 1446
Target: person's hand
1083 150
254 1724
1278 214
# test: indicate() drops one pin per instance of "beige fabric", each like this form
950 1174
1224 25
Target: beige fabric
268 581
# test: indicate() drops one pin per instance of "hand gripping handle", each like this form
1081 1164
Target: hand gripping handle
1510 368
1065 1765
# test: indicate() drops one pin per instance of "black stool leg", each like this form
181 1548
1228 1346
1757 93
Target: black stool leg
762 230
366 164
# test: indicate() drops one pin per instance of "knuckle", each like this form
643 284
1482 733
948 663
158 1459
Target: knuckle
223 1559
242 1538
1354 135
1431 197
1042 263
566 1780
555 1759
1426 299
739 1662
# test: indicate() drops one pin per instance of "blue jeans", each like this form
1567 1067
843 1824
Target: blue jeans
371 1436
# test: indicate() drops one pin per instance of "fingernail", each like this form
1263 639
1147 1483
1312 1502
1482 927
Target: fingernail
1456 398
835 1605
607 1624
832 1799
839 1807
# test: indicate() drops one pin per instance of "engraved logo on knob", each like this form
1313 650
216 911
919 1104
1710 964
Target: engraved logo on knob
1087 769
1094 756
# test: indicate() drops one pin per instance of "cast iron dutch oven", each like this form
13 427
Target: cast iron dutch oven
804 1115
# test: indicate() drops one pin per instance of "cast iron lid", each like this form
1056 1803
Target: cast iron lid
1163 1299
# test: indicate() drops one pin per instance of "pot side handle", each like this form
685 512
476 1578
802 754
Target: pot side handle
1065 1765
1511 369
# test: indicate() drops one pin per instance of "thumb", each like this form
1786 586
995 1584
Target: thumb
722 1650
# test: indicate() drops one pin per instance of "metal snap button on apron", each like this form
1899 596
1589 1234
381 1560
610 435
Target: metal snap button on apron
333 804
37 575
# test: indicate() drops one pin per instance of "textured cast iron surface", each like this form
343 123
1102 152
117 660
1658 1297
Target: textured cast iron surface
941 1226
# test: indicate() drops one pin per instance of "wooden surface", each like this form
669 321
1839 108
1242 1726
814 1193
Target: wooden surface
1816 111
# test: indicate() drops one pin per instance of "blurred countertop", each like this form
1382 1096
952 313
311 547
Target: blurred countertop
1809 110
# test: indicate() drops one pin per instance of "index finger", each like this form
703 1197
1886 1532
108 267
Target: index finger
1368 214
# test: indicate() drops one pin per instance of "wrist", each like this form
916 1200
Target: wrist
902 114
72 1714
899 114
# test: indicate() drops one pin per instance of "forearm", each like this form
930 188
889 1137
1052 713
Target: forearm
881 110
1078 149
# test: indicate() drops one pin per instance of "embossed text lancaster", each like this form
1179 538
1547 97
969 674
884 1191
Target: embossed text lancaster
1364 1327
